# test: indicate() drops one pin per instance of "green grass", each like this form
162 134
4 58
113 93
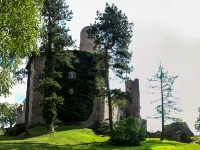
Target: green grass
75 137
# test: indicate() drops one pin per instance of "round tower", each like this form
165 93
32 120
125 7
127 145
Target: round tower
133 108
86 44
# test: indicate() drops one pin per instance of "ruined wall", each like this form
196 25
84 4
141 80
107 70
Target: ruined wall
170 129
20 115
36 97
99 113
133 108
85 43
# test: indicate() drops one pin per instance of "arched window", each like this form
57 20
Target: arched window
72 75
71 91
76 60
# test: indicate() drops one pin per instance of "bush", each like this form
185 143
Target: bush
127 133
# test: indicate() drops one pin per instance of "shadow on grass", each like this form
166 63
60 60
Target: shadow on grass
39 131
32 146
61 128
146 145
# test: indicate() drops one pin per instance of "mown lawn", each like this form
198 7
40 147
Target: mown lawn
75 137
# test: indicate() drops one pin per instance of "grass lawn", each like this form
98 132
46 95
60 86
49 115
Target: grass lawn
75 137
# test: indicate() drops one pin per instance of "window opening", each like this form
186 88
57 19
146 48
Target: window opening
71 91
41 76
76 60
72 75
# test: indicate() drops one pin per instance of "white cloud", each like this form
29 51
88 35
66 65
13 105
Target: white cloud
18 94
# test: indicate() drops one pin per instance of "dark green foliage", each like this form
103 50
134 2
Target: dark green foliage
119 98
78 105
8 114
112 35
127 133
55 41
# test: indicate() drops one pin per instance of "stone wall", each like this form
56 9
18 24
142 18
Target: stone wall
20 115
175 127
100 108
133 108
37 96
85 43
181 136
99 113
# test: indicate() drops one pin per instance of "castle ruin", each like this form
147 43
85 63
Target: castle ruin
100 107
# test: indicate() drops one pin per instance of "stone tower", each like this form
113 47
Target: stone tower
133 108
86 44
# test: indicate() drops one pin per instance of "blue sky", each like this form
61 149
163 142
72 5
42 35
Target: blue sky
166 31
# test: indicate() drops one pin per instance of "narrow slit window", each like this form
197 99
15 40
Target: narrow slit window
41 76
76 60
71 91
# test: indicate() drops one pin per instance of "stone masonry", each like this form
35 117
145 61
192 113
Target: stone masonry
133 108
100 109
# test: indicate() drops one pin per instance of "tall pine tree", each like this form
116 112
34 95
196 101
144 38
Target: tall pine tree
55 42
167 102
112 36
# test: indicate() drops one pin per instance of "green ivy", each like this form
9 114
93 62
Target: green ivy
89 79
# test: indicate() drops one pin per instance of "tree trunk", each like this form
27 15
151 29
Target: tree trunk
162 133
26 130
50 128
108 89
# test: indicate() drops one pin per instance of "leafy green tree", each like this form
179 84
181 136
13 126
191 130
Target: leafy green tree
197 122
8 114
112 35
167 103
55 41
127 133
119 98
19 32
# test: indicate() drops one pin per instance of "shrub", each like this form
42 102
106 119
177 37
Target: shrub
127 133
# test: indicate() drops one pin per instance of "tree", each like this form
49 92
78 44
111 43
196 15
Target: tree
167 102
19 32
119 98
8 114
55 41
112 35
29 67
127 133
20 75
197 122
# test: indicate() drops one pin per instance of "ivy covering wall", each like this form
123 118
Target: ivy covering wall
80 92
